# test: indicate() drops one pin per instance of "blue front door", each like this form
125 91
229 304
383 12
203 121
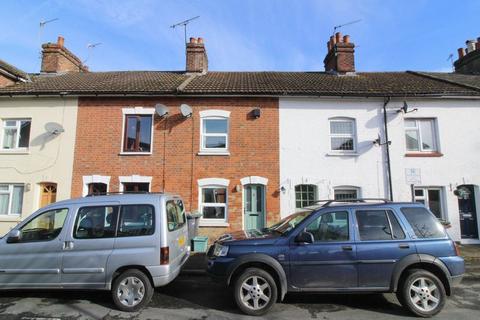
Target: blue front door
329 262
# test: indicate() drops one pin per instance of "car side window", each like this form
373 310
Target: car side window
424 223
136 220
396 228
96 222
330 226
373 225
44 227
175 214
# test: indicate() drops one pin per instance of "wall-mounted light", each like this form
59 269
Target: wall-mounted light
405 108
282 189
238 188
256 113
28 187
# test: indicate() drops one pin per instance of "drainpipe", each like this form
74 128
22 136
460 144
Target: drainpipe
387 146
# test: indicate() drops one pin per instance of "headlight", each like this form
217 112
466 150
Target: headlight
220 251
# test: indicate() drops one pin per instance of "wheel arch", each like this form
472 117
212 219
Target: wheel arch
122 269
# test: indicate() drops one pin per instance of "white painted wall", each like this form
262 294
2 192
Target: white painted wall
49 158
305 148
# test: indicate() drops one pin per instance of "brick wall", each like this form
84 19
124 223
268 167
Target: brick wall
253 145
4 81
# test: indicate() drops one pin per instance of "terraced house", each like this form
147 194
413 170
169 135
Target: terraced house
245 148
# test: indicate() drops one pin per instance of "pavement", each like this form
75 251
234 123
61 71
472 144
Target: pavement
193 296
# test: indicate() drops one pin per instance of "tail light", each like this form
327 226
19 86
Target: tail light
164 255
457 249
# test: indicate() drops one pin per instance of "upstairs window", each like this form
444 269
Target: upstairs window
342 135
214 131
420 135
305 195
16 134
138 133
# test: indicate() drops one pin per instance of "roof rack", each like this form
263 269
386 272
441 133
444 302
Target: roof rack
96 194
328 202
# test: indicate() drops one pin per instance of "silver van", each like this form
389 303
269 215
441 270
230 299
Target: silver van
125 243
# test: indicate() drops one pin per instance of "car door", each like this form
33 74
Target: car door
330 261
177 232
34 261
88 245
381 242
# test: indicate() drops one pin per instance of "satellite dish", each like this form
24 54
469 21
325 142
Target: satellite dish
54 128
161 110
186 110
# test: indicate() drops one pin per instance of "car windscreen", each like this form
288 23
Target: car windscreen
290 222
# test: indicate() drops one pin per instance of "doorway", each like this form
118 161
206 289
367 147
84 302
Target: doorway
48 193
468 211
254 206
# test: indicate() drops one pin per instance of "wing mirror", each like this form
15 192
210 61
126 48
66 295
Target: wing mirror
304 237
14 236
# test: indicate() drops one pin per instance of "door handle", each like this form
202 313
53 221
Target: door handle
404 246
67 245
347 248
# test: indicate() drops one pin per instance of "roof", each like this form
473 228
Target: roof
240 83
12 70
470 80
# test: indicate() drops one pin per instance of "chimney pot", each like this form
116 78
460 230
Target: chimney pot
338 37
461 53
477 45
329 45
346 38
60 41
200 40
332 40
193 40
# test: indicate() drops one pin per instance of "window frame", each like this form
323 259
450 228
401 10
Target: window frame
418 129
202 204
347 188
214 115
136 111
426 203
10 198
315 194
18 121
352 135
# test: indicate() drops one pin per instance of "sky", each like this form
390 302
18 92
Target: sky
240 35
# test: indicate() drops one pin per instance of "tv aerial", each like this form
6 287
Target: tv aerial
186 110
335 28
54 128
161 110
41 26
184 25
90 47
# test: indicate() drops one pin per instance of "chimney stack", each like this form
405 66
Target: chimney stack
340 58
197 60
58 59
468 61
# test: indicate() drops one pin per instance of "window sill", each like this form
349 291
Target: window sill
213 153
424 154
203 223
135 153
10 218
342 154
14 151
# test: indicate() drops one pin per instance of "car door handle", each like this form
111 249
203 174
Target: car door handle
347 248
404 246
67 245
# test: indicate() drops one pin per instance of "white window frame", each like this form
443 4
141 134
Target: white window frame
94 179
10 198
347 188
134 179
418 129
137 111
17 126
352 135
214 115
443 213
210 183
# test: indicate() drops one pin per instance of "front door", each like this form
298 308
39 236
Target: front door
254 206
48 194
468 212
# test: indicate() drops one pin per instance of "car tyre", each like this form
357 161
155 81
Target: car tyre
132 290
422 293
255 291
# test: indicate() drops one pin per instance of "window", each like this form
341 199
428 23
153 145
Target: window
44 227
16 134
342 135
11 198
136 187
420 135
175 215
345 193
214 203
214 133
136 220
305 195
378 225
423 223
97 188
96 222
331 226
138 133
432 199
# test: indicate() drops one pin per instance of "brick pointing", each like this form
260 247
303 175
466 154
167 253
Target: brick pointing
254 148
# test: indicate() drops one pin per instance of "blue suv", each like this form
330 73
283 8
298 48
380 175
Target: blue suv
356 246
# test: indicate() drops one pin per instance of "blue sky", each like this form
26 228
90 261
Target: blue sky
240 34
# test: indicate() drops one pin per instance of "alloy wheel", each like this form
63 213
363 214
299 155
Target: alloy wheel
255 292
424 294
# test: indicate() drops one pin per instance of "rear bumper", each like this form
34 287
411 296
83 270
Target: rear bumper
164 274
